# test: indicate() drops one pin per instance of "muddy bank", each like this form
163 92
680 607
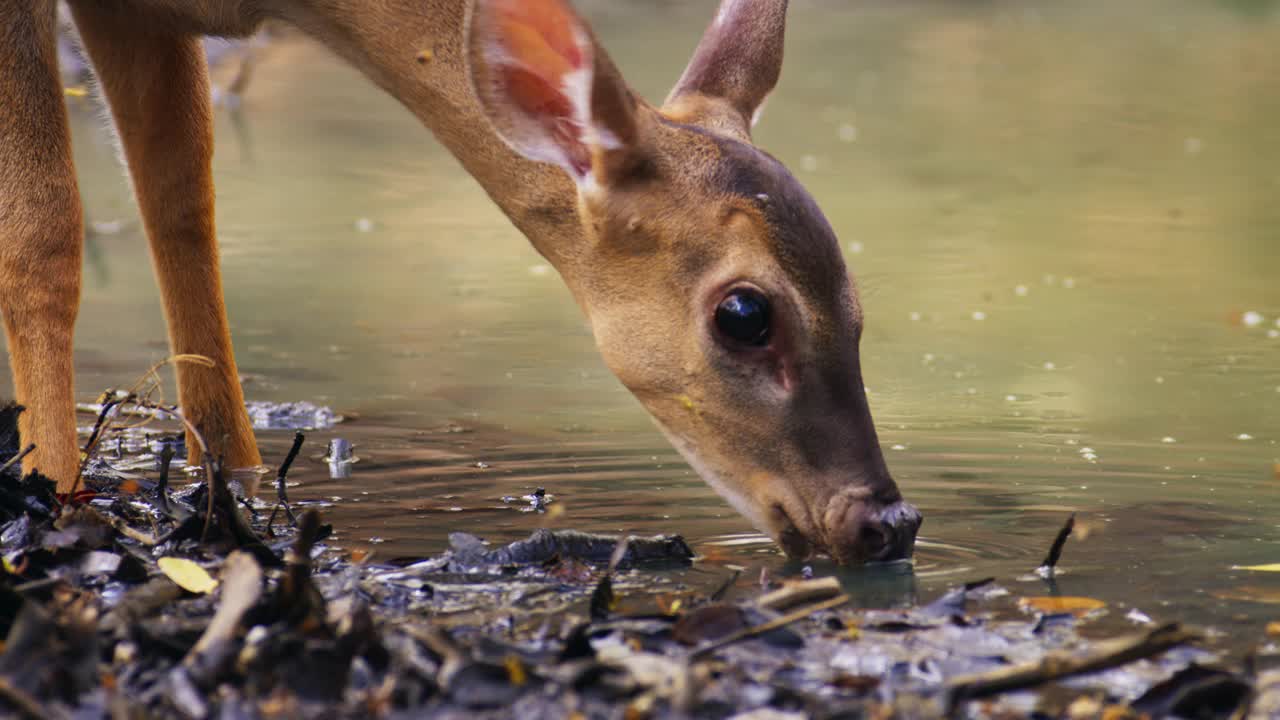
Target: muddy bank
148 595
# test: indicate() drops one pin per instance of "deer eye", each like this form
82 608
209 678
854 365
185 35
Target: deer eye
743 316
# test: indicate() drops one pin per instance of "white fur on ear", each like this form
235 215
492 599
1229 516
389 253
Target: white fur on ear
540 101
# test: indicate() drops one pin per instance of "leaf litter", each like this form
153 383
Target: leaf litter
139 599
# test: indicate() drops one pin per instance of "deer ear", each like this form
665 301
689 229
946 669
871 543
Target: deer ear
734 68
549 90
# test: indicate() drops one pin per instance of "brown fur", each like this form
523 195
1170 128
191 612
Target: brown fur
684 205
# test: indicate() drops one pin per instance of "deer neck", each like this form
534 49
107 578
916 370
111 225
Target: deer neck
415 51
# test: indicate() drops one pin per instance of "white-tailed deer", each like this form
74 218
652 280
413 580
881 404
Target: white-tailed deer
714 285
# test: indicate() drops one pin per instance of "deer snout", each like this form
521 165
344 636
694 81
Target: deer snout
860 529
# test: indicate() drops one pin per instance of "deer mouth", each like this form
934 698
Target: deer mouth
853 531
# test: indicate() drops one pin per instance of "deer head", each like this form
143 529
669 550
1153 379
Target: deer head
714 286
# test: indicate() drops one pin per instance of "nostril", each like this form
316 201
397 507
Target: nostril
876 540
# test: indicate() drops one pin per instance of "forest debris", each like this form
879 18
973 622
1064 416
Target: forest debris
13 461
241 588
757 630
282 493
297 597
543 545
1195 691
22 701
331 636
1058 665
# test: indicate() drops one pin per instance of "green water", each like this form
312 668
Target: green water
1098 182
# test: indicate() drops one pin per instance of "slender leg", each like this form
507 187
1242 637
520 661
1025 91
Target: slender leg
41 236
157 85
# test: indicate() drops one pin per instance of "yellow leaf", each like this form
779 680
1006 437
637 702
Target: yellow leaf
515 670
1273 629
1269 567
188 575
1075 605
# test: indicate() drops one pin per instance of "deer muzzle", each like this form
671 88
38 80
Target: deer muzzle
863 530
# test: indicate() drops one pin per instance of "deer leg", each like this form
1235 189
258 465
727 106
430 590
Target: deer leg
157 86
41 236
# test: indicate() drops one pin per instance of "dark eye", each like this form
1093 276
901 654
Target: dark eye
743 315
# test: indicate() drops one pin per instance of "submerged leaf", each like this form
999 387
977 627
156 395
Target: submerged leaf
1249 593
187 575
1065 604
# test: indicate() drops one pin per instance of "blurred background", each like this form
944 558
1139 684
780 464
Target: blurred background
1063 218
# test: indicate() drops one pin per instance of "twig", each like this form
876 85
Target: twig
724 588
757 630
17 458
1058 665
26 705
1055 550
281 493
789 596
212 475
99 427
124 529
241 588
162 485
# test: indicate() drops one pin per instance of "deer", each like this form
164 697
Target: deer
713 284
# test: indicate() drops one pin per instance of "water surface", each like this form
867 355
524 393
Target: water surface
1059 216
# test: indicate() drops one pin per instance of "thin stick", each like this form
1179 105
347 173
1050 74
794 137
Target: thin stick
281 493
1055 550
124 529
99 427
1058 665
27 706
162 486
211 491
763 628
17 458
789 596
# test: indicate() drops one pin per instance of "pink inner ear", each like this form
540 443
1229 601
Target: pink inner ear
552 109
539 42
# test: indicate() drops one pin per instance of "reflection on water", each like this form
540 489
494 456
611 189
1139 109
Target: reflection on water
1059 216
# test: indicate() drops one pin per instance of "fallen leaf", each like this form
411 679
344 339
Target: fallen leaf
708 623
187 575
1250 593
515 670
1269 567
1066 604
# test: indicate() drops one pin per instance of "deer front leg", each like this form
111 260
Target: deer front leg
158 88
40 237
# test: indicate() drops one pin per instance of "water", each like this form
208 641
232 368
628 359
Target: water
1058 215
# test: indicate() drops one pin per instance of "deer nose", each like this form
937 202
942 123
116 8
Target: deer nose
867 531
